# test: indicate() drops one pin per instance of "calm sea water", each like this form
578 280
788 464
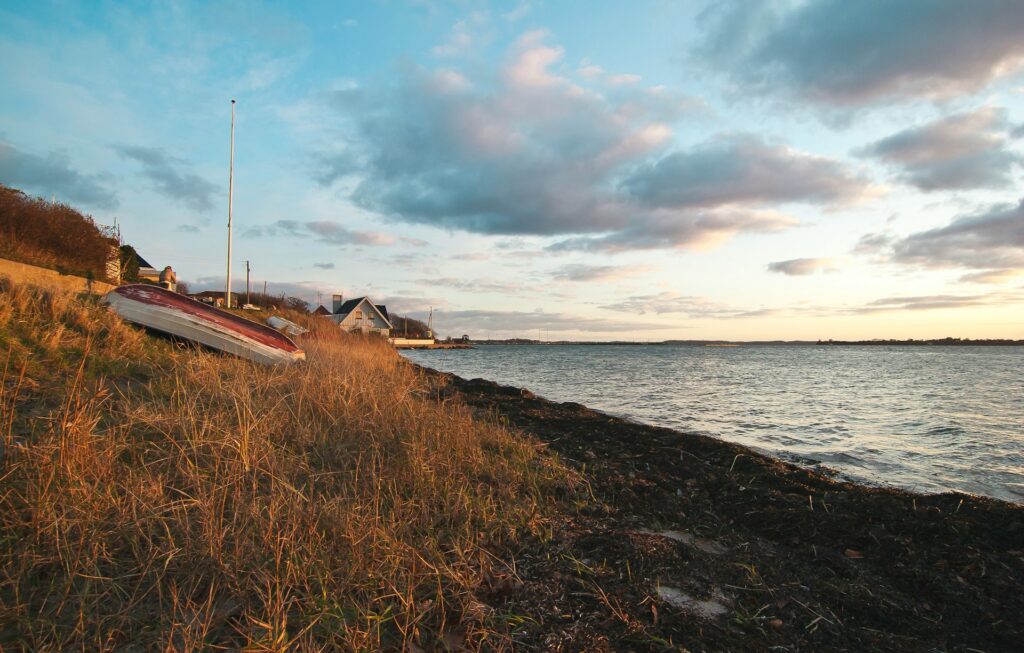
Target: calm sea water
924 418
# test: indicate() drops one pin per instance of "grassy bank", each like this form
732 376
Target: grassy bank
171 498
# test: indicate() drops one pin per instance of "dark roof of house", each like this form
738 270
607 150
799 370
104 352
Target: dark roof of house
143 263
350 305
347 307
320 310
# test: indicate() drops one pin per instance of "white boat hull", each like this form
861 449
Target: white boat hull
191 320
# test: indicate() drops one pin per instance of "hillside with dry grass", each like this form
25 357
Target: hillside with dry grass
168 498
52 235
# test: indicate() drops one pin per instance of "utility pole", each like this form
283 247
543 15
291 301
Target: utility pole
247 282
231 192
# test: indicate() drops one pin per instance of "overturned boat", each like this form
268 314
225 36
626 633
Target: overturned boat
289 327
179 316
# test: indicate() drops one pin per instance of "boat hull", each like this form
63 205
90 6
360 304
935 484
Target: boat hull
289 327
168 312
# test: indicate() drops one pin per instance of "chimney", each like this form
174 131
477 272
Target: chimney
338 300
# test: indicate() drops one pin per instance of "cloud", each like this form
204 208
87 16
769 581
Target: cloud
416 306
335 233
993 238
844 53
624 78
800 266
413 242
583 272
686 305
305 290
872 243
265 72
967 150
521 10
53 175
327 168
743 169
472 285
992 276
699 229
928 302
526 323
524 150
697 308
463 35
169 180
471 256
325 231
324 266
501 323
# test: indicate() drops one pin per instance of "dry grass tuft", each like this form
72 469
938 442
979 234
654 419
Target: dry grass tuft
175 499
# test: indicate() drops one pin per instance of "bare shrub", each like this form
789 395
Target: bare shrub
405 326
51 235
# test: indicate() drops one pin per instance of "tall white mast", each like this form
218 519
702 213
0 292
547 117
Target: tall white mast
231 192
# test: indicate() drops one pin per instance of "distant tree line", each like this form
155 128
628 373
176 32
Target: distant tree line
934 341
407 327
276 301
52 235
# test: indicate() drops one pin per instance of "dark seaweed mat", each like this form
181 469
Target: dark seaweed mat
804 562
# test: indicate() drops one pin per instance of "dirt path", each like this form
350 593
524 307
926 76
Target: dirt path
691 543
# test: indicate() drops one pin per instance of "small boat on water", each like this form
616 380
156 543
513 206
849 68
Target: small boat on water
168 312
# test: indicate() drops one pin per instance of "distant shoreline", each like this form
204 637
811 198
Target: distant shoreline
939 342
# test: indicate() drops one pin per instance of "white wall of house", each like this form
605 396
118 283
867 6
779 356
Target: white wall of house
363 318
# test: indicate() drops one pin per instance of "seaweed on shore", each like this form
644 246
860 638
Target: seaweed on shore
691 543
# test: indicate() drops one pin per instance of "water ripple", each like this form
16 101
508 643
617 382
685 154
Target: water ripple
924 418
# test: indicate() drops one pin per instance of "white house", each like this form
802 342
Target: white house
360 315
146 271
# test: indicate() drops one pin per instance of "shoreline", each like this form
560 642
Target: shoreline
912 342
694 541
913 428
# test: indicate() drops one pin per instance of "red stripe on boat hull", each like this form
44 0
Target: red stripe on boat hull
156 296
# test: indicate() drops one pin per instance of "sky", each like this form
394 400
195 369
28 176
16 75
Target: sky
556 170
